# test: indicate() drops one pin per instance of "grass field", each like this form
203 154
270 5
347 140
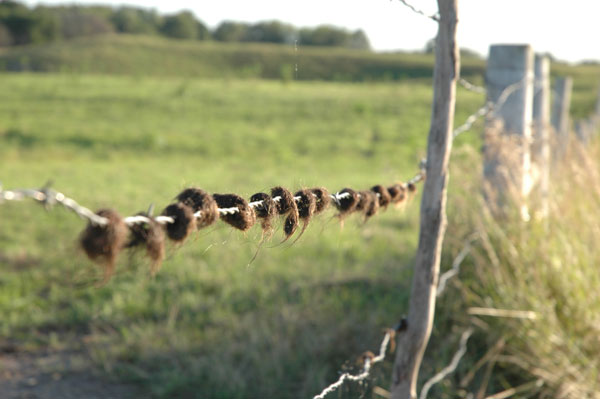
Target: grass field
209 324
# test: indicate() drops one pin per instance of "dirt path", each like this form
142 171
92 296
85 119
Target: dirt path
56 375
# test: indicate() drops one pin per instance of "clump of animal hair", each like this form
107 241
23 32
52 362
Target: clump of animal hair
102 244
290 225
184 221
200 201
322 199
307 204
286 199
241 220
286 206
384 196
412 187
347 204
152 236
397 192
368 203
266 211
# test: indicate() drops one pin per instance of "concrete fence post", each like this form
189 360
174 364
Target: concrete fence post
541 137
560 114
507 155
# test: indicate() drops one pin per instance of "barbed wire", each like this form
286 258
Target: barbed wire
449 368
471 87
107 233
470 121
49 197
490 107
435 17
455 269
369 361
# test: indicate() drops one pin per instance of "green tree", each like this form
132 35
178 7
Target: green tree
135 20
76 21
229 31
184 25
28 26
324 35
359 40
271 32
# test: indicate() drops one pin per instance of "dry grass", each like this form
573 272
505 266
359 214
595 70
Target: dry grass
547 266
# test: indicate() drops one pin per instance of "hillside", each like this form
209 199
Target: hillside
147 55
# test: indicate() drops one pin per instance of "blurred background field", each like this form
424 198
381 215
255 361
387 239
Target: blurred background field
126 121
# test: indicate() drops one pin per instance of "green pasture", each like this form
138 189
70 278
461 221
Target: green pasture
210 324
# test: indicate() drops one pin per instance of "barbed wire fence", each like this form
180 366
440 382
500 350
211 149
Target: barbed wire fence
197 209
489 109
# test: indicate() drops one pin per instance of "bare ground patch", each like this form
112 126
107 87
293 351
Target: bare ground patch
50 374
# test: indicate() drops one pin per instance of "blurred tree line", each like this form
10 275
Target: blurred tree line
20 25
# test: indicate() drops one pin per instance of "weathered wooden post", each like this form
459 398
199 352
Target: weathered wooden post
507 168
413 340
560 114
541 136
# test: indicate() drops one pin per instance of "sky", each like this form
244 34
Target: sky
569 30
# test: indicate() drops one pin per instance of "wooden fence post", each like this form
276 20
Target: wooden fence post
560 114
541 136
413 341
509 78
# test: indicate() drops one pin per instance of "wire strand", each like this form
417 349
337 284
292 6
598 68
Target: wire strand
364 373
49 197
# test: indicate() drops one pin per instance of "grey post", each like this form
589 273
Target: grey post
560 114
541 137
509 78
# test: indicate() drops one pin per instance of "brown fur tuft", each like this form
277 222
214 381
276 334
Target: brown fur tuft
412 187
200 200
242 220
397 193
368 203
287 205
307 204
384 195
185 222
323 199
290 225
347 205
266 212
103 243
152 236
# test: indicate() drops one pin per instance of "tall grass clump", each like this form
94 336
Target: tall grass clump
546 267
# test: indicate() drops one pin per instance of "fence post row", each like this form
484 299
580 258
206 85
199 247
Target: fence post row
509 79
